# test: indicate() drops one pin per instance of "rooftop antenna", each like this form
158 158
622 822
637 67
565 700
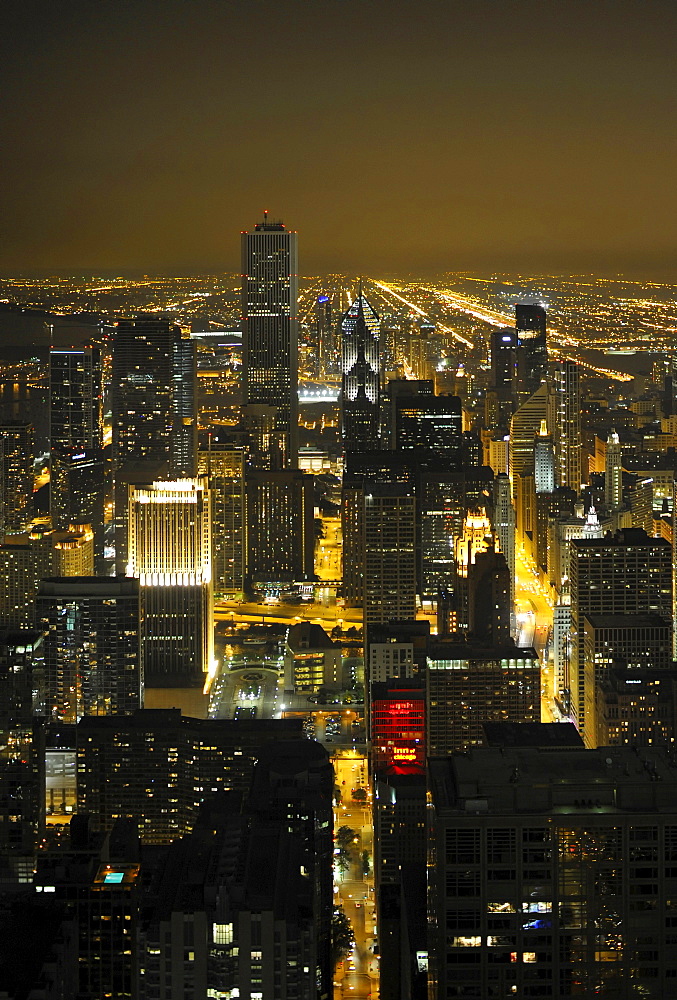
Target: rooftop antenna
265 216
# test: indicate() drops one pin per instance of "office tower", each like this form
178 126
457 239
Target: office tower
270 331
280 527
16 476
25 560
544 461
389 521
470 683
22 755
504 526
550 870
75 400
292 787
425 422
93 659
524 426
568 427
170 554
154 409
613 472
628 574
361 368
224 467
532 350
397 725
311 660
157 765
476 536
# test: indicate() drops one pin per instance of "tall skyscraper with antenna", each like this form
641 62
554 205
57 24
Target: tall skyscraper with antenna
361 369
270 334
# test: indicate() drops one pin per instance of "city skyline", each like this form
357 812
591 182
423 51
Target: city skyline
135 135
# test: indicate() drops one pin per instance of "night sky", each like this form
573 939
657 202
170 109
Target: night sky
396 137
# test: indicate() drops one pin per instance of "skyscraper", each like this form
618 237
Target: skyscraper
628 574
75 402
154 409
224 467
170 554
568 442
389 553
16 475
361 367
613 472
270 331
532 350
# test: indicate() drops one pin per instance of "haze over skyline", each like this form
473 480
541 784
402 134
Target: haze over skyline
395 137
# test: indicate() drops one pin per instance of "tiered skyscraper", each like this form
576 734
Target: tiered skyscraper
270 333
360 327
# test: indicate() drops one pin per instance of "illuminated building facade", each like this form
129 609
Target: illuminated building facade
73 551
16 476
154 390
613 472
170 554
549 871
568 437
25 560
544 461
92 654
472 683
397 725
78 490
224 467
280 527
636 708
361 367
389 553
75 400
270 331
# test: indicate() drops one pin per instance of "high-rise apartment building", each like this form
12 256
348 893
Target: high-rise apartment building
170 553
92 653
628 574
361 368
568 440
157 765
270 331
16 476
550 872
75 400
22 755
25 559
